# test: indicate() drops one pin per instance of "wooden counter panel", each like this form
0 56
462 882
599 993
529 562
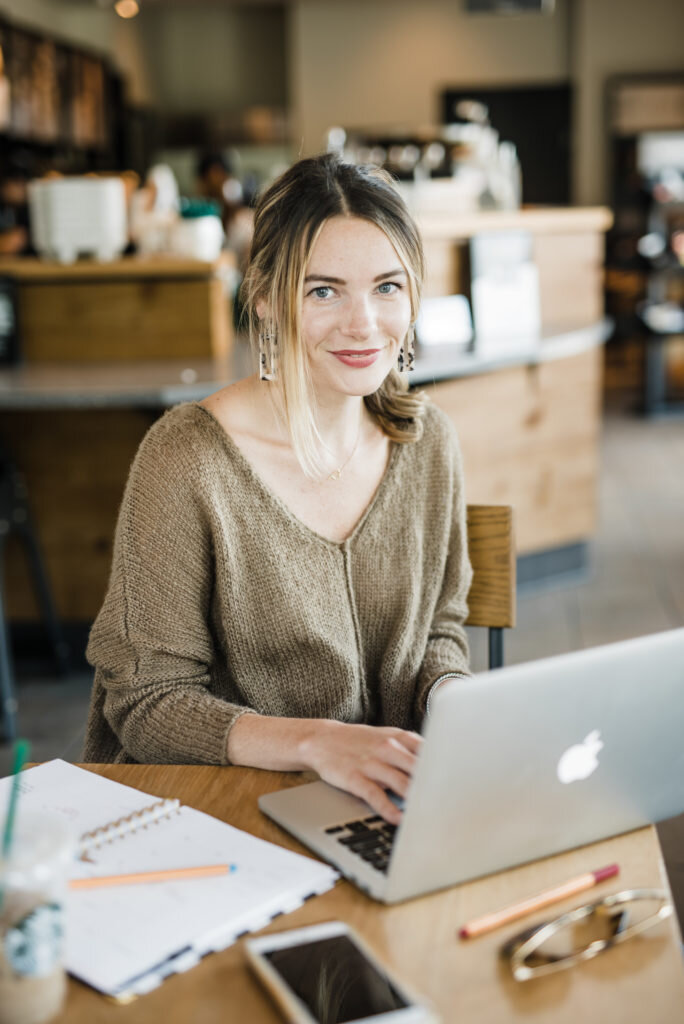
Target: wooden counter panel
539 220
570 270
570 278
568 250
447 268
123 320
75 465
128 267
530 438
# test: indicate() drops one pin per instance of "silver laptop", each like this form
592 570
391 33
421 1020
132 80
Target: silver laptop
517 764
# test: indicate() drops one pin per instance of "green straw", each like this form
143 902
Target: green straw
21 751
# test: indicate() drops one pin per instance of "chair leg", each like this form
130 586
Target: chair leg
496 647
655 380
19 516
60 648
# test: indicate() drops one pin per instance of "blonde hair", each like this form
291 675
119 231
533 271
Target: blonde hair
288 219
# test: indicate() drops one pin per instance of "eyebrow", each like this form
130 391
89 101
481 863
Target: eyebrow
339 280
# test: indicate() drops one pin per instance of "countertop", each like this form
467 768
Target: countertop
539 220
37 271
163 383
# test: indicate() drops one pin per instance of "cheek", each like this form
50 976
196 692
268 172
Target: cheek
397 319
314 327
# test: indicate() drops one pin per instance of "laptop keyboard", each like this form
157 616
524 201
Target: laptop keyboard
369 838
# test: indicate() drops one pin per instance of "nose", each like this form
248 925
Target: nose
360 321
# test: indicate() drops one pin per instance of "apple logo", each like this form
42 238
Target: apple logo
579 761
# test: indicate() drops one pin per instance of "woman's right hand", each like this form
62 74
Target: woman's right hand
364 760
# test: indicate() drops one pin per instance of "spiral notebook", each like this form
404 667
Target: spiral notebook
124 941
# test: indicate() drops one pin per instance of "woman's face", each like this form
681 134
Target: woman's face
356 308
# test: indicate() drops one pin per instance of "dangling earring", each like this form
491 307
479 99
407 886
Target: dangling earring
407 356
268 354
410 347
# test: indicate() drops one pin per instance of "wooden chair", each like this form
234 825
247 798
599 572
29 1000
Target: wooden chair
491 601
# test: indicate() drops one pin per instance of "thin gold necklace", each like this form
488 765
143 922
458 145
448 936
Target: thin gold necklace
337 473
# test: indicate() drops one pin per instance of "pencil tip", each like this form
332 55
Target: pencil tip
604 873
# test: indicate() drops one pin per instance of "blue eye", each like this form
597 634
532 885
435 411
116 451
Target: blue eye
388 287
322 292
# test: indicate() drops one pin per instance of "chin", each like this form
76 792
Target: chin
364 383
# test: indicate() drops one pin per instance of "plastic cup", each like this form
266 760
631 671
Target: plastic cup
32 896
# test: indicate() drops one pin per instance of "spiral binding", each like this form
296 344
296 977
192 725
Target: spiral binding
122 827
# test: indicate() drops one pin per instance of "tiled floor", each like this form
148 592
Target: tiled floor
52 714
635 586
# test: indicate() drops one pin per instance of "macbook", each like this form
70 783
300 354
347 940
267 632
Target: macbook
516 764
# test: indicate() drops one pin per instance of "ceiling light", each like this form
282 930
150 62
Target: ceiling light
127 8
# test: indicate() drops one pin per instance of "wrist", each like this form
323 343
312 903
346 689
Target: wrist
445 678
237 742
312 739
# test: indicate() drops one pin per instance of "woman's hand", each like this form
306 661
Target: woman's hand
364 760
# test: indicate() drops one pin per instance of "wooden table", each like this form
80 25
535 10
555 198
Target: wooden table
643 980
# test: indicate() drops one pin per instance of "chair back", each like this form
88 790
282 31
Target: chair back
491 546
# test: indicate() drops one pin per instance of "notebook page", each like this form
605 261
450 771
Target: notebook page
147 924
121 939
84 799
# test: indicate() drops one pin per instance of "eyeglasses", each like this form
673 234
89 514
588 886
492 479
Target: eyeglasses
584 932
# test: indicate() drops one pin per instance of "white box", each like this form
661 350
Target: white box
74 216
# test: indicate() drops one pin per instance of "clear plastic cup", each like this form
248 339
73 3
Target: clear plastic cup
32 893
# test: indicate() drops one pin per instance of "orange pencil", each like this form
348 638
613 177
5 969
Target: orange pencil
543 899
170 875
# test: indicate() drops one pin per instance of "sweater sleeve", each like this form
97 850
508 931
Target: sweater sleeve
151 643
447 646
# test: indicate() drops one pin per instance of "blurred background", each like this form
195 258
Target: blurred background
539 144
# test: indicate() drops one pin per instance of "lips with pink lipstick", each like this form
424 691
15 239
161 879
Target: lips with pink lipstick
357 357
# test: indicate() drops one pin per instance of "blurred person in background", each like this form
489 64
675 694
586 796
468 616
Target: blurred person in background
14 211
217 181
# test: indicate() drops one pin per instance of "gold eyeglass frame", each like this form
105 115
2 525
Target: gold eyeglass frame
522 946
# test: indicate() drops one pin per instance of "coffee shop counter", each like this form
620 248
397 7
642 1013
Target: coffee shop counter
134 308
529 422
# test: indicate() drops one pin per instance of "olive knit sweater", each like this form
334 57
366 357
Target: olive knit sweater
221 602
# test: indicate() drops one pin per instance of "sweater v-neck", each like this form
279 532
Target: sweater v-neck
282 506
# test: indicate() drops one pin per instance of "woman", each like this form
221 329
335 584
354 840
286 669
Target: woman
290 569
